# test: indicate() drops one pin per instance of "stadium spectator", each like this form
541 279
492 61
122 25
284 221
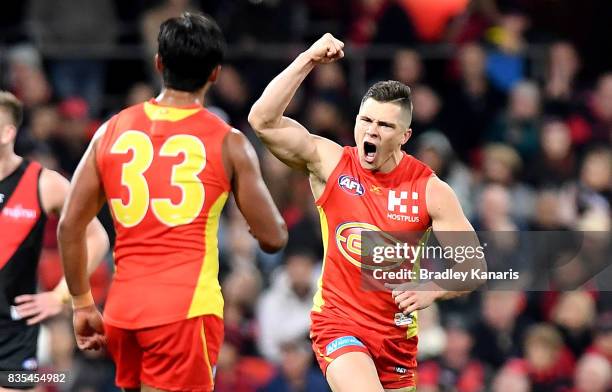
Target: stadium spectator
436 151
74 132
505 60
549 212
329 84
241 289
427 112
574 316
327 118
593 190
548 362
494 205
593 374
237 372
455 370
231 92
555 165
472 102
407 67
26 77
503 166
84 27
433 336
601 111
561 88
511 378
282 312
501 328
519 126
602 342
295 373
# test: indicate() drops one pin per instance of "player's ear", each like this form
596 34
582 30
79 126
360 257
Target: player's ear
159 65
407 135
214 74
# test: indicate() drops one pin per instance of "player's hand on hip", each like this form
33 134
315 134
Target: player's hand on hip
89 328
412 296
38 307
326 49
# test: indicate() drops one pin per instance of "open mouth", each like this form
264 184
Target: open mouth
369 150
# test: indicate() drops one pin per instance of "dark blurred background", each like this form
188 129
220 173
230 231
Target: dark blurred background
512 107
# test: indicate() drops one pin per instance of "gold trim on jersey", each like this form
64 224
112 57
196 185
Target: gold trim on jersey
317 301
167 113
207 298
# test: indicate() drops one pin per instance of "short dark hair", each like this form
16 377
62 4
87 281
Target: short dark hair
190 47
391 91
13 106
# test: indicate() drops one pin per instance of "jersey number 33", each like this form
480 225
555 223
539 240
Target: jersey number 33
184 176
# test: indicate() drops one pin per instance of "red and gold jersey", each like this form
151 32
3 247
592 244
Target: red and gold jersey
355 199
166 185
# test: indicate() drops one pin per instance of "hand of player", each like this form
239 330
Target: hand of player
88 328
38 307
413 296
326 49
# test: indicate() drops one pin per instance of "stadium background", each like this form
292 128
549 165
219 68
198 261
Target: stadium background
512 107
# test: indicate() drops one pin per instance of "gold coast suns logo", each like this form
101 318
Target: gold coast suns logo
353 245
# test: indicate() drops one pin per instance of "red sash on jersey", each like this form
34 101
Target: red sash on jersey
20 213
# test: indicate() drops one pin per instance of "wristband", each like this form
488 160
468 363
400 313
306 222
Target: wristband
82 300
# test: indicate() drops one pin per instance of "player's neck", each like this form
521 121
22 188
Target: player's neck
391 163
8 162
173 97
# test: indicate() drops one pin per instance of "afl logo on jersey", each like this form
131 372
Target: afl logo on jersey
351 185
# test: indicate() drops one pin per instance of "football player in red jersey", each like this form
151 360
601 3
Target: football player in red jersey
29 194
360 339
166 168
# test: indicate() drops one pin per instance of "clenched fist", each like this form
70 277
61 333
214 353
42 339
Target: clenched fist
326 49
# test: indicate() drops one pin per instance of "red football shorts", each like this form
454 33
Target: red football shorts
393 357
179 356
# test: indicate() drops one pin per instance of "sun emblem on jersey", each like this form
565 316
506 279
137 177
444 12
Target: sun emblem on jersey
349 242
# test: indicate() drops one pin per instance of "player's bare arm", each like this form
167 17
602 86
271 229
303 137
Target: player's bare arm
446 216
38 307
252 196
83 203
287 139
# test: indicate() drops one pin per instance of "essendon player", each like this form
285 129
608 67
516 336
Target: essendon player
361 341
28 194
166 168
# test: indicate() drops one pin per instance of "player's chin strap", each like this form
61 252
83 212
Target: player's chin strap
82 300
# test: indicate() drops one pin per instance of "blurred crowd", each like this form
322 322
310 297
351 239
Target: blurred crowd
515 113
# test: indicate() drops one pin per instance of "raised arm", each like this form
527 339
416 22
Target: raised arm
287 139
252 196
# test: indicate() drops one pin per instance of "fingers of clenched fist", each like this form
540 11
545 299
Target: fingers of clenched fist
327 49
